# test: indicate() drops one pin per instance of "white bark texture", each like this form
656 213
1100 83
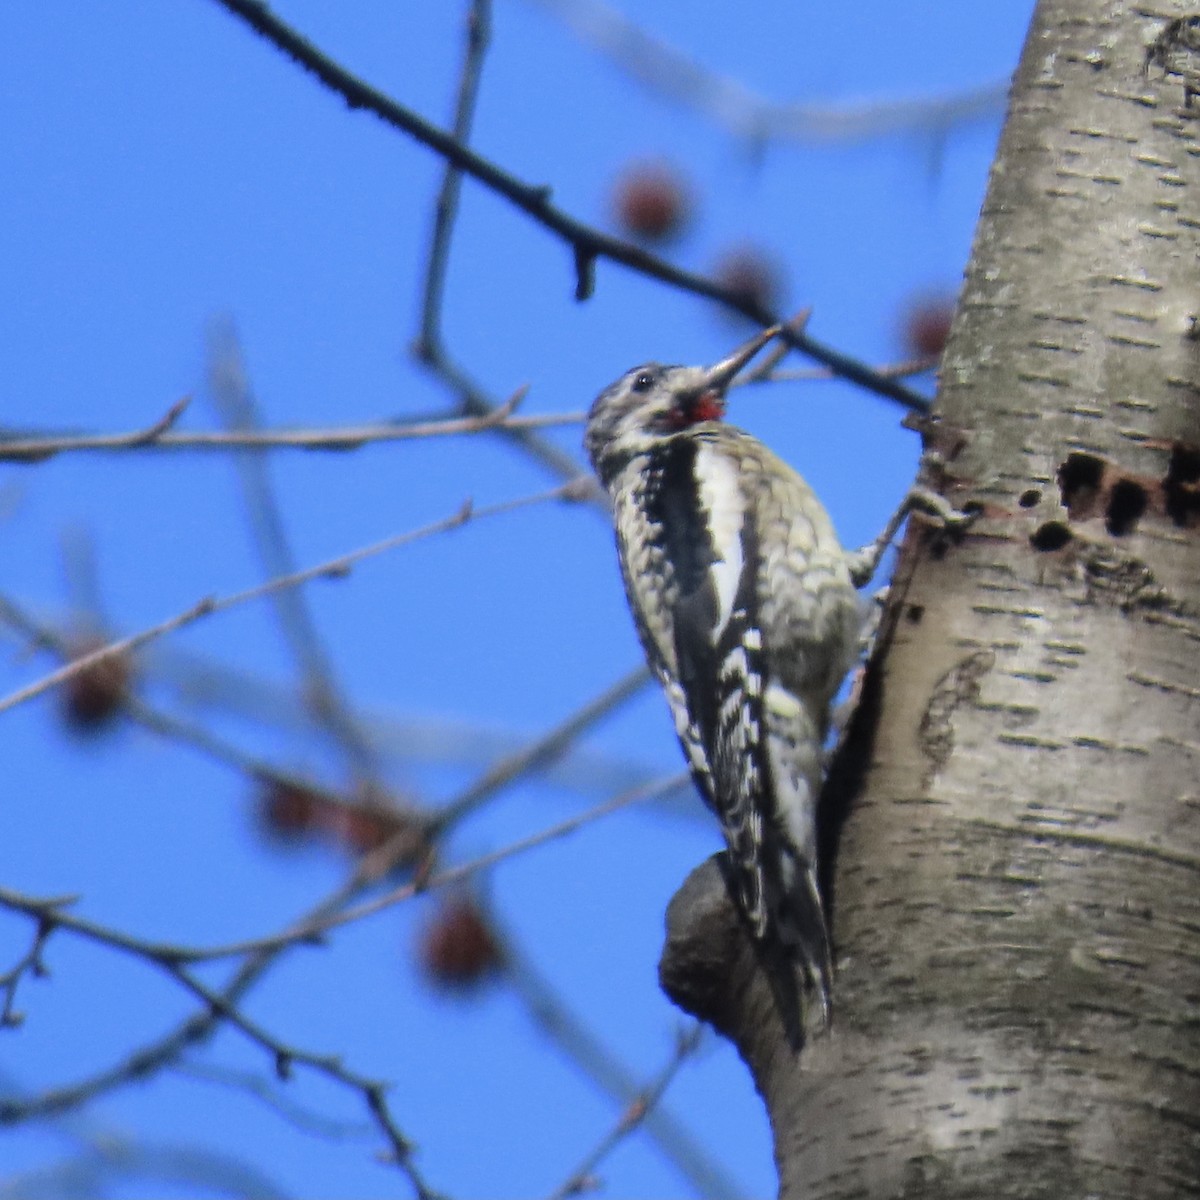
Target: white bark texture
1016 873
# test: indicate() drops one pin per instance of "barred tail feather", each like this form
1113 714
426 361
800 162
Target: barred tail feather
800 919
794 753
751 885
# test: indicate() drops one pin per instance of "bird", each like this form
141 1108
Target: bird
746 607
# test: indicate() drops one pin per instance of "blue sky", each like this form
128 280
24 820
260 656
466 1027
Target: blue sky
164 166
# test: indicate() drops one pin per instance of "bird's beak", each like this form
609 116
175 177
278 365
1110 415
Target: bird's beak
719 376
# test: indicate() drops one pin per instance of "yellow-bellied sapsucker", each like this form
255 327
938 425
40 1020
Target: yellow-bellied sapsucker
746 608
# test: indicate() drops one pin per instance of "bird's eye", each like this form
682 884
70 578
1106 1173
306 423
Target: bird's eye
644 382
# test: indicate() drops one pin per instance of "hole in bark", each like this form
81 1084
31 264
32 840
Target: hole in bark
1053 535
1126 503
1079 481
1181 486
1030 497
914 613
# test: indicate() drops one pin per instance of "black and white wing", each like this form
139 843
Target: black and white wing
701 636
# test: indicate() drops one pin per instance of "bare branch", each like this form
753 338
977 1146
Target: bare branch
479 32
105 1160
165 725
636 1114
898 370
206 683
38 449
234 400
586 243
545 750
155 1055
429 345
274 1098
14 448
223 1005
585 773
49 915
768 371
576 1040
30 963
498 417
334 568
664 69
310 929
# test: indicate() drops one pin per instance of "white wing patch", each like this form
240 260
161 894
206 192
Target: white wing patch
782 703
721 497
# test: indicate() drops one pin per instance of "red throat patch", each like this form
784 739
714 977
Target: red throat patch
709 407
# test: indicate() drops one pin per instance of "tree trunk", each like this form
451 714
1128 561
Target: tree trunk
1016 891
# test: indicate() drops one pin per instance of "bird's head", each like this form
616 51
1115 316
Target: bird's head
652 402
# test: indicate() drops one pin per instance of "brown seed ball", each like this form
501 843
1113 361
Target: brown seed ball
92 698
926 326
459 948
651 202
289 813
753 275
362 828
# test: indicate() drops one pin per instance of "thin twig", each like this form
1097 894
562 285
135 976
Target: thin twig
332 568
165 725
16 448
904 369
637 1113
311 929
234 400
576 1039
30 963
592 775
776 354
49 914
38 449
664 69
29 450
106 1163
157 1054
222 1005
163 425
429 345
544 750
113 649
165 1050
587 244
205 683
479 32
274 1098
